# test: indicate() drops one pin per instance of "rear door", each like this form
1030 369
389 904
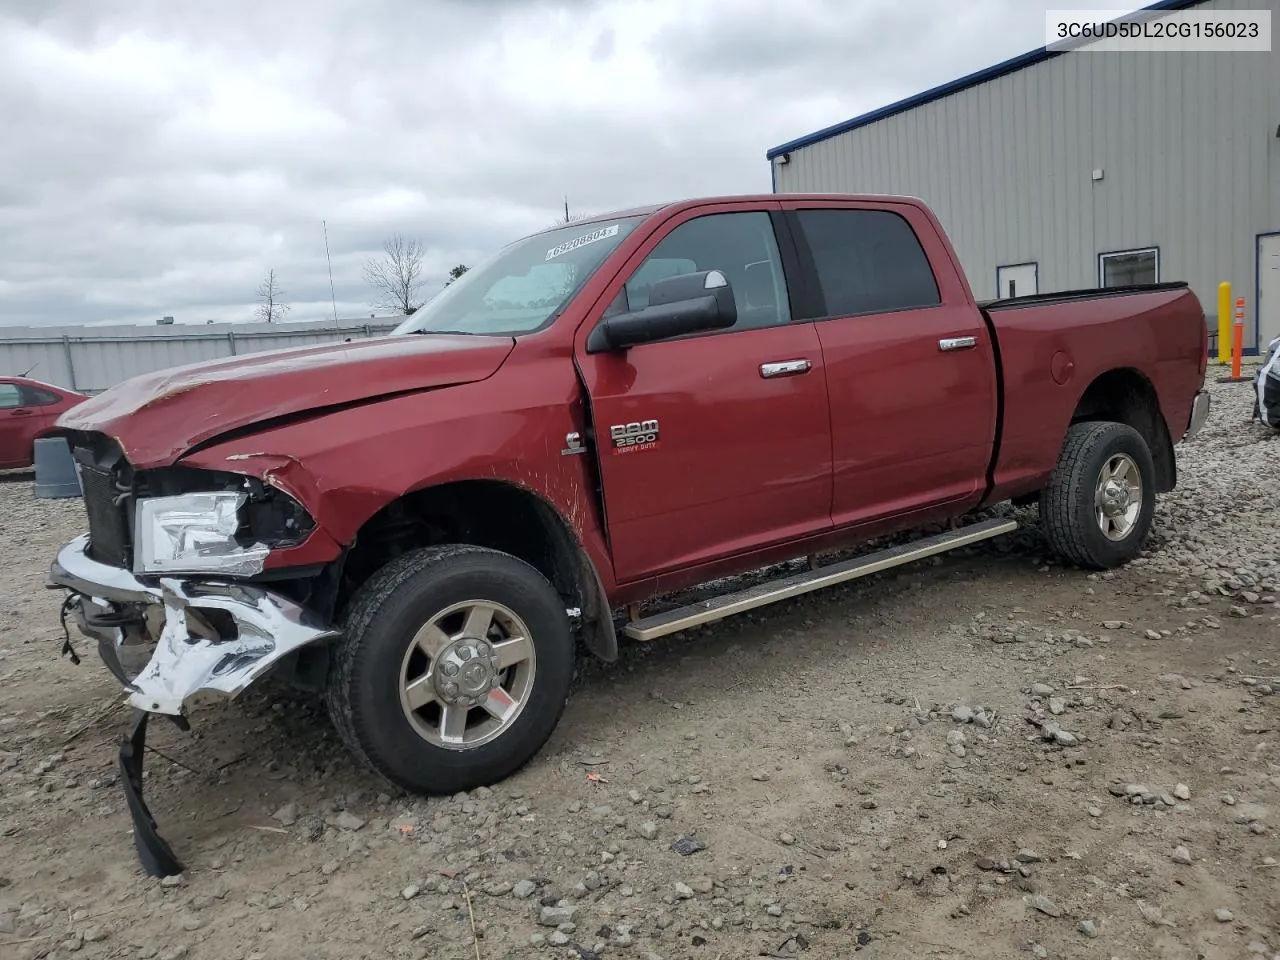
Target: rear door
724 444
910 365
18 425
45 406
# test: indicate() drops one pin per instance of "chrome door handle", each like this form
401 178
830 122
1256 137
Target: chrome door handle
784 368
957 343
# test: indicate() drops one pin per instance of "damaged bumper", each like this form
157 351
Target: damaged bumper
214 639
211 641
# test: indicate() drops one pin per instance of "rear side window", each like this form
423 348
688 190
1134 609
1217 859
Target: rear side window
41 398
868 261
10 396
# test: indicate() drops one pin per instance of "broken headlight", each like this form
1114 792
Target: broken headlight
194 533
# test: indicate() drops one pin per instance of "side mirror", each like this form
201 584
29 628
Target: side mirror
689 303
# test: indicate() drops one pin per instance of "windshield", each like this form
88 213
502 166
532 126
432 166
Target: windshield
524 285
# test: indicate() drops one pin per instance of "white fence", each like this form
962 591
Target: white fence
91 359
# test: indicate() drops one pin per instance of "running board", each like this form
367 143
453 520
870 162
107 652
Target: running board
784 588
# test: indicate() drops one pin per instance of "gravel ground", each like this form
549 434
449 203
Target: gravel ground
986 756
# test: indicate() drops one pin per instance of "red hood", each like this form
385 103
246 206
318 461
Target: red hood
159 416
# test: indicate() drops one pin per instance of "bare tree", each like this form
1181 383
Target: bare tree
270 300
396 276
456 272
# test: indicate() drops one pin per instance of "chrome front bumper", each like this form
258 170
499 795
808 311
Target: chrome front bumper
1199 414
185 669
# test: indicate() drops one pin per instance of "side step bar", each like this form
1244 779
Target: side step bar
784 588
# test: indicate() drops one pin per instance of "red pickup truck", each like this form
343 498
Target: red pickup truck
425 525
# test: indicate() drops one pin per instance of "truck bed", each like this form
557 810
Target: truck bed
1086 293
1146 342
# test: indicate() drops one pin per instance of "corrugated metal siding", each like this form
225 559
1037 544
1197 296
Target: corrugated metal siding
91 359
1187 142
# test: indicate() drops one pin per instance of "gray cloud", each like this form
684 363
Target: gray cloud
160 157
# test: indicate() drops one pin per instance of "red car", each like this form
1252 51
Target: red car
28 411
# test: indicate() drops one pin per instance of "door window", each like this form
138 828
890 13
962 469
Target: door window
868 261
41 398
741 245
10 396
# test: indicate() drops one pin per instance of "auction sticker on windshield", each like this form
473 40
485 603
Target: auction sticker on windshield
604 233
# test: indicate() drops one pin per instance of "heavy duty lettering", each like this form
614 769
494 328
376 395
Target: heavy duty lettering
639 435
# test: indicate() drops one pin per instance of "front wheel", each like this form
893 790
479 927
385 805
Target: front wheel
453 670
1098 507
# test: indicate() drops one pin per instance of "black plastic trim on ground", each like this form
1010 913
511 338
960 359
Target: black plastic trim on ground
155 854
107 651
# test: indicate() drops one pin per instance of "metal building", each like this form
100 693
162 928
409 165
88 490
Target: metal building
1063 170
91 359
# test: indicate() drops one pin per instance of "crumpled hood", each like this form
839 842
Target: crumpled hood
159 416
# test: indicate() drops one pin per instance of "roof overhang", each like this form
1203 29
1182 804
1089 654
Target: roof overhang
1028 59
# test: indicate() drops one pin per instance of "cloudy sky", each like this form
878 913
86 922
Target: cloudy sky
159 157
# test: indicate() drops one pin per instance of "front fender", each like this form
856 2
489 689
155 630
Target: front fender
346 466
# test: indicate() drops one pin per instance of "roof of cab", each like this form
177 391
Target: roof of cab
762 198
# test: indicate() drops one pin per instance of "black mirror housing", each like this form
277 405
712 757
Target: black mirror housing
689 303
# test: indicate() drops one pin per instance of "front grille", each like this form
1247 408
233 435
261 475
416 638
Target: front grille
108 528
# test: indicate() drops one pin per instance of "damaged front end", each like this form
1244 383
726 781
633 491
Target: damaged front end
193 661
166 567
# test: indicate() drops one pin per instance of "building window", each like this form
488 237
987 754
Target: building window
1125 268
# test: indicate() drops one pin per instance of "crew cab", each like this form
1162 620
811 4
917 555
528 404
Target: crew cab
426 526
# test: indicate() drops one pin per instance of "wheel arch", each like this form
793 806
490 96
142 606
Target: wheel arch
1125 395
488 513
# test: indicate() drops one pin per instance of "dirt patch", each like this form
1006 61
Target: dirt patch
986 756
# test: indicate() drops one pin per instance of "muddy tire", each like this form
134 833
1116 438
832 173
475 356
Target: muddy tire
1096 512
453 670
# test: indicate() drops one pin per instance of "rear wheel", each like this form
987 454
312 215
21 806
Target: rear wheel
453 670
1098 507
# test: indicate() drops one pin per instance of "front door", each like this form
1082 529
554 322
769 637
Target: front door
1268 289
707 447
1017 280
911 372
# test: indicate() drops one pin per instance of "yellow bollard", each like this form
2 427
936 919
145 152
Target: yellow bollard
1224 322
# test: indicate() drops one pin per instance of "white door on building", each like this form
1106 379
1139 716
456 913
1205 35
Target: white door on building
1017 280
1268 289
